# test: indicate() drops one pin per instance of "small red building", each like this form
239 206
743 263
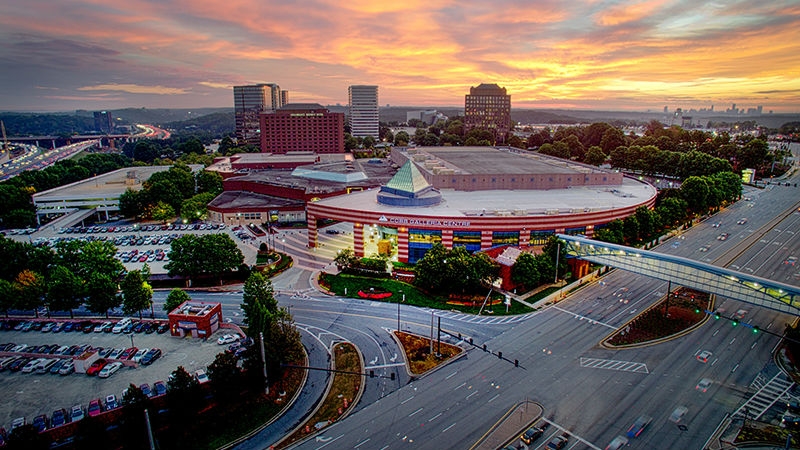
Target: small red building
200 319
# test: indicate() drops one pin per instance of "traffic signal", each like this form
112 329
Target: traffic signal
734 322
697 310
716 315
756 330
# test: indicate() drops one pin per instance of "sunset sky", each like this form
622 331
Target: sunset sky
61 55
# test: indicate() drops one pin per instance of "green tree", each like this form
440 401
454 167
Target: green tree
132 422
258 304
184 399
225 377
175 298
209 182
695 191
401 139
526 271
8 296
137 294
132 203
65 290
196 208
595 156
345 258
30 288
163 212
101 294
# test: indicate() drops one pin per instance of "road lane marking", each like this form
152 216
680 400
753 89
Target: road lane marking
406 400
330 442
434 417
361 443
610 364
460 385
451 375
451 426
490 400
415 412
470 395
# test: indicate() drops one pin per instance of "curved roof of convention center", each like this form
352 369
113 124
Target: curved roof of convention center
576 199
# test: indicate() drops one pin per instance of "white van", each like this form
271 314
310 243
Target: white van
121 325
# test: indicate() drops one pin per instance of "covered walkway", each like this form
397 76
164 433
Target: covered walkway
686 272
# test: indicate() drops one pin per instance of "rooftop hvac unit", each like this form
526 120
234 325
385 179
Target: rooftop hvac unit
551 212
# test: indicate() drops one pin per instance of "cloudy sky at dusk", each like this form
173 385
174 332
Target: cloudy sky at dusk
61 55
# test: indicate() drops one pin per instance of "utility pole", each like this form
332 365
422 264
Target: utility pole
149 430
558 251
264 362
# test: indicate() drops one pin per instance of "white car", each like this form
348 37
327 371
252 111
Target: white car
201 376
77 413
228 339
109 369
31 365
139 353
703 356
703 385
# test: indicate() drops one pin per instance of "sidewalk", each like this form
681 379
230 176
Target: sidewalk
510 426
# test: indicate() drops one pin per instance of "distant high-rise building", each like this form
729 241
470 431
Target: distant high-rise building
302 127
363 101
284 98
488 107
103 122
250 101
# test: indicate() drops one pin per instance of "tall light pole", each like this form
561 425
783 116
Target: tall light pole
398 310
558 251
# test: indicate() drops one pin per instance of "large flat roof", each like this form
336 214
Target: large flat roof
107 185
491 160
508 202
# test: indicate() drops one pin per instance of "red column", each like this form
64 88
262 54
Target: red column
402 244
524 237
486 239
447 239
358 239
589 231
312 231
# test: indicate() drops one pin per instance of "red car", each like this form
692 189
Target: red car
128 353
96 367
95 407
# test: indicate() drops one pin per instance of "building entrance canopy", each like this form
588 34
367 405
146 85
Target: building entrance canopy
686 272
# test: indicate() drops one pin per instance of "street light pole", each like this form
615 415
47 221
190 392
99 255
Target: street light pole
398 311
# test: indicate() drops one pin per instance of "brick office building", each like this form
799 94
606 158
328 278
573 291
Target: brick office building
302 127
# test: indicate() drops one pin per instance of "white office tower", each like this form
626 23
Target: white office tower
363 101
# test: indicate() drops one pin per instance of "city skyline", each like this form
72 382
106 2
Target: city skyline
637 56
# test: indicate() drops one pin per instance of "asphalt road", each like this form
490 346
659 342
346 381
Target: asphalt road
557 349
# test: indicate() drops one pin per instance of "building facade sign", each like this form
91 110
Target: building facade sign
425 222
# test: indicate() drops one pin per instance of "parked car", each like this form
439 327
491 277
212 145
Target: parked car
101 327
150 356
96 367
58 418
111 402
46 365
95 407
145 388
41 422
201 376
558 442
128 353
115 353
30 366
228 339
159 388
119 326
67 368
76 413
162 328
109 369
531 435
58 365
18 422
137 357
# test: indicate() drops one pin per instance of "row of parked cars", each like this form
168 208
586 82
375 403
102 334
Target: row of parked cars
86 326
95 407
150 227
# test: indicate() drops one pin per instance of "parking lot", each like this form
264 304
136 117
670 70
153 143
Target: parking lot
31 394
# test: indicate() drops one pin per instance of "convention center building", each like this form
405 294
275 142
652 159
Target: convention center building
479 198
